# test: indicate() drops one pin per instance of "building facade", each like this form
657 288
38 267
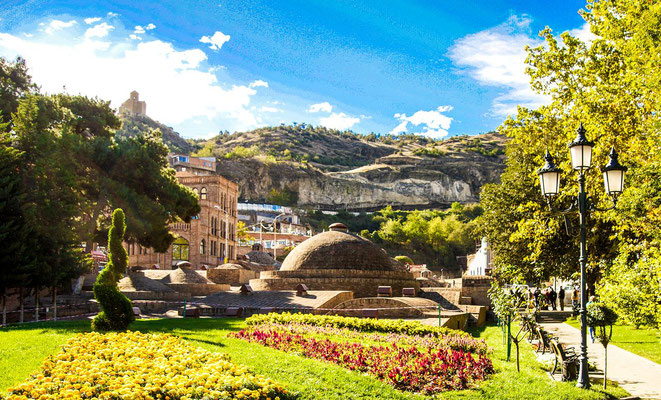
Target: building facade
262 219
134 105
210 237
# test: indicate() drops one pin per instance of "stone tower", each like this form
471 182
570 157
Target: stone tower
133 105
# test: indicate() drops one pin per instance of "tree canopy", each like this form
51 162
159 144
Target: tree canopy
610 84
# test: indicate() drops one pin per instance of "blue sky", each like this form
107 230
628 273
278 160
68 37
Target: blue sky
436 68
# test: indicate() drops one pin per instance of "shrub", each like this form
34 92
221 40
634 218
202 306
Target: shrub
116 309
358 324
142 366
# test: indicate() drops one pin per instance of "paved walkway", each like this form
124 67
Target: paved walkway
635 374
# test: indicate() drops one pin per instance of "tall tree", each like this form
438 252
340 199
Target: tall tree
610 84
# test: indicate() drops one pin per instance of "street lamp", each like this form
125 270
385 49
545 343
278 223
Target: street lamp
549 177
274 234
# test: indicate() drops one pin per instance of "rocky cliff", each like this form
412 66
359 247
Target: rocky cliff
322 168
409 174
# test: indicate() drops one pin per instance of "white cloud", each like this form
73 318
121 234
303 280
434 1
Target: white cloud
216 41
101 30
259 83
90 21
270 109
177 85
139 29
433 123
135 37
583 33
339 121
56 25
150 26
496 57
321 107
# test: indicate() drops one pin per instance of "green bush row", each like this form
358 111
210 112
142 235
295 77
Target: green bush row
358 324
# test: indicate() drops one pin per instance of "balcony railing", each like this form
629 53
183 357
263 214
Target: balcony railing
180 227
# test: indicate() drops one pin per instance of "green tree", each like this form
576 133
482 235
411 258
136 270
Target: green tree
14 231
15 82
610 84
116 310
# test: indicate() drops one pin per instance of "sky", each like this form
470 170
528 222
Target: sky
434 68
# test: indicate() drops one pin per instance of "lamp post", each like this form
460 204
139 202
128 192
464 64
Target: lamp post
275 229
549 178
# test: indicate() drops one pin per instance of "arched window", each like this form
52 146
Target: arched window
202 245
180 250
197 192
203 193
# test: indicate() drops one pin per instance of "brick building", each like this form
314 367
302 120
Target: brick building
210 237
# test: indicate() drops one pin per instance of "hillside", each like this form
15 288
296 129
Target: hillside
328 169
133 124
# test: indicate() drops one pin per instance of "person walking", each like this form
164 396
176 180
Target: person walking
561 298
537 294
553 296
591 327
574 301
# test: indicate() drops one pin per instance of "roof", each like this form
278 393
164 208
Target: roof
180 275
260 257
337 250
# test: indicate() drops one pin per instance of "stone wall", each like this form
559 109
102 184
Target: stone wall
233 277
477 287
388 307
361 283
165 296
199 289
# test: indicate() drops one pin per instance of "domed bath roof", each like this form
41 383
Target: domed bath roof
337 249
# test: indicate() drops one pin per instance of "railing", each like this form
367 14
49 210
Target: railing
180 227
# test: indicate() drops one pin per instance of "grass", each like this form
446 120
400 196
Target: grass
644 342
24 348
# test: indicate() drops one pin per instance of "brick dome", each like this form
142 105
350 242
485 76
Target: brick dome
337 249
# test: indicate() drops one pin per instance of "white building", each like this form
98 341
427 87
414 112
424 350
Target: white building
480 262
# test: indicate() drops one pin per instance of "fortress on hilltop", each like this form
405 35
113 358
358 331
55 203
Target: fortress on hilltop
133 105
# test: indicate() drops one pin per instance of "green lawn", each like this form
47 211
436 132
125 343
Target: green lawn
24 348
644 342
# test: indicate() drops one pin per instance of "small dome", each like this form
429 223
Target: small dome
230 266
261 257
184 276
337 250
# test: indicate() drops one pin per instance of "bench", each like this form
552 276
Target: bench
266 310
190 312
136 311
384 291
544 339
370 313
408 292
567 358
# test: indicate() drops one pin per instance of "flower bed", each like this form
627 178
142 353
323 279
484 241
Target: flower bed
142 366
451 340
426 364
357 324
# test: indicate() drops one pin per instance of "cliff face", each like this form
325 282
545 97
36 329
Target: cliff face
326 169
403 179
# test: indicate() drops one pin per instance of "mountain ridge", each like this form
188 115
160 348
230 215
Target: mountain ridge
315 167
